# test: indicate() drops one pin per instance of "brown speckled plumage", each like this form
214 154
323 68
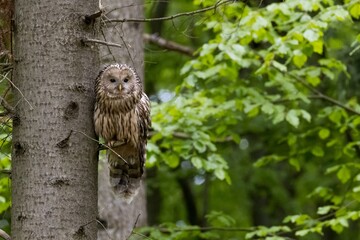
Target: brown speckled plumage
122 118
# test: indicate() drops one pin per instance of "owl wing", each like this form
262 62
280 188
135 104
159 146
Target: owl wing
144 122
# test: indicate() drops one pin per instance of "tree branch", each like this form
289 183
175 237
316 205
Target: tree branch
85 40
323 96
183 135
170 45
5 171
214 7
4 235
206 229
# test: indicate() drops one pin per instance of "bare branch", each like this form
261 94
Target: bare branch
4 235
106 231
214 7
14 86
170 45
85 40
6 105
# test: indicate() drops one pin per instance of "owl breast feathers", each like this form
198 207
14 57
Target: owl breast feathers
122 119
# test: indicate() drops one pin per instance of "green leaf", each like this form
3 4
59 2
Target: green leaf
297 219
317 151
279 66
220 219
292 118
197 162
355 10
336 225
299 58
172 160
344 174
305 115
200 146
303 232
324 133
267 108
314 81
318 46
295 163
235 52
220 173
325 209
311 35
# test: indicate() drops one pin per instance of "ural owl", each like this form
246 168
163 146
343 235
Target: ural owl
122 119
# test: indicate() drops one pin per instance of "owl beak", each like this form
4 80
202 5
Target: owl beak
119 87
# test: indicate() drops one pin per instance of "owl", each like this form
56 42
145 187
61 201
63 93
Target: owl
122 119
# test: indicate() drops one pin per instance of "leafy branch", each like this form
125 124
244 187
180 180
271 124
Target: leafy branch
324 97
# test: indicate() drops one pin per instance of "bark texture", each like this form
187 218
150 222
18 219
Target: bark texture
54 165
120 217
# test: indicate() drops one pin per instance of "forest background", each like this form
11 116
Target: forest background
255 120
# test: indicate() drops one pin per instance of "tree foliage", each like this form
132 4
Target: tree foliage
278 81
257 135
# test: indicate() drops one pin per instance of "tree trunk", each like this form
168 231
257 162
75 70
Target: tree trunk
54 164
120 217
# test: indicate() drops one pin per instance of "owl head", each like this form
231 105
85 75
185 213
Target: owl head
118 85
118 81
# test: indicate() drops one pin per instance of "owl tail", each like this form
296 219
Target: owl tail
125 177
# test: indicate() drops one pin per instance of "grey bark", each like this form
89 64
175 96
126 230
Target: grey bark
120 217
54 165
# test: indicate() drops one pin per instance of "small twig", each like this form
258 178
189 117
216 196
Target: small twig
93 139
137 219
101 42
4 235
106 231
97 221
12 84
170 45
218 4
6 105
132 231
4 171
105 147
5 114
90 18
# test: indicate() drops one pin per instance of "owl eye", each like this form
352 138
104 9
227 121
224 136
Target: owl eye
112 80
126 79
